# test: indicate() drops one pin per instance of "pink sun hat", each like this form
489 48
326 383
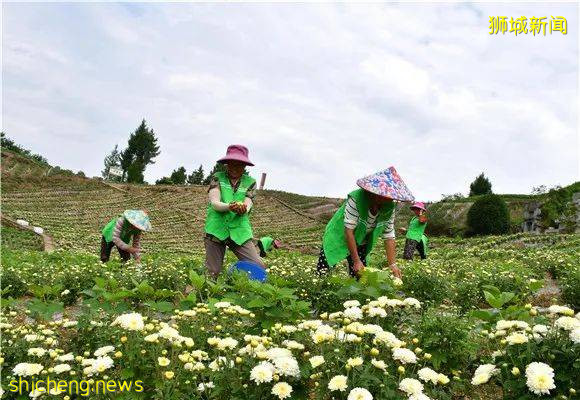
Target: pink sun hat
387 183
418 204
236 152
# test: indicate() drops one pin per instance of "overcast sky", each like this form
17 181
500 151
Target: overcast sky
321 94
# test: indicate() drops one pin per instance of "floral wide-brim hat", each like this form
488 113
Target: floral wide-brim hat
139 219
387 183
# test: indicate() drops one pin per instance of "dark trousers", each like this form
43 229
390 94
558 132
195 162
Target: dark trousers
322 267
410 247
107 247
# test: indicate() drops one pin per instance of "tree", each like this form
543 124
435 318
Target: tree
112 160
135 172
126 160
218 167
488 215
178 176
141 149
481 185
196 177
164 181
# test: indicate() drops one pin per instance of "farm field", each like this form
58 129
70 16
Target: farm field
73 212
478 319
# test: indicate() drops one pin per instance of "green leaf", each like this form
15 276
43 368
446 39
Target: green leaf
492 300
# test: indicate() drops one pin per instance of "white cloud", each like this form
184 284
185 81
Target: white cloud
321 93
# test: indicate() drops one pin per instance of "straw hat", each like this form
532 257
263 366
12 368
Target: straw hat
387 183
139 219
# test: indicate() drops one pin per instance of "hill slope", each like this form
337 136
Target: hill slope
74 211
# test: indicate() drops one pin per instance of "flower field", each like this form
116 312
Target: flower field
472 321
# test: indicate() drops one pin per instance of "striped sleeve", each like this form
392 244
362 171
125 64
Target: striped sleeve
389 232
117 234
137 243
351 215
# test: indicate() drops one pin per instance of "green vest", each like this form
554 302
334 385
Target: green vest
127 231
334 241
416 232
267 242
228 224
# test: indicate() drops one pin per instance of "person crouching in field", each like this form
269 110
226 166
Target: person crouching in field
367 214
416 238
119 232
266 244
228 213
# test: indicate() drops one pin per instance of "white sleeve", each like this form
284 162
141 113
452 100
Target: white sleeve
214 199
389 232
351 215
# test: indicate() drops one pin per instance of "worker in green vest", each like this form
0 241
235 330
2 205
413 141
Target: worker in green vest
367 215
227 223
120 231
266 244
416 238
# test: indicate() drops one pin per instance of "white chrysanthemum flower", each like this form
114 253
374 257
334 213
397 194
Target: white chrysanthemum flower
411 302
278 352
100 364
36 351
169 333
227 343
102 351
411 386
428 375
222 304
359 394
27 369
380 364
376 312
567 323
373 329
282 390
351 303
163 361
263 372
287 366
541 329
397 281
131 321
202 387
70 324
151 338
387 338
555 309
483 373
354 362
516 338
405 356
353 313
540 378
338 382
60 368
575 335
292 344
66 357
288 329
316 361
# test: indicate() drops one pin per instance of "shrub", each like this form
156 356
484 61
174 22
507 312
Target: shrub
489 215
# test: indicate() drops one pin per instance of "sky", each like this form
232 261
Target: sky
321 94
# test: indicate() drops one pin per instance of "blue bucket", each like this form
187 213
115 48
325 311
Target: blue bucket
254 271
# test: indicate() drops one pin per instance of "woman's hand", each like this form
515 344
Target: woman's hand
358 267
396 271
238 207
